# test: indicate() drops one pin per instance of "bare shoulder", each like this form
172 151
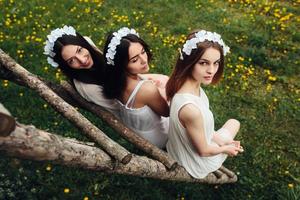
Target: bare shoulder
155 76
148 92
148 88
189 113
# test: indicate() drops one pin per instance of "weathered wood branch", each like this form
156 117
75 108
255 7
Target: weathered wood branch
124 131
27 142
110 146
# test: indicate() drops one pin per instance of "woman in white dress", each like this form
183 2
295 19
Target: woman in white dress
79 59
193 141
142 105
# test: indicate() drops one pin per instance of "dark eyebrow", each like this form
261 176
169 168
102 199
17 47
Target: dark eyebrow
136 55
77 50
209 61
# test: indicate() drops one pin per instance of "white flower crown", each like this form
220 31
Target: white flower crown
201 36
115 41
52 37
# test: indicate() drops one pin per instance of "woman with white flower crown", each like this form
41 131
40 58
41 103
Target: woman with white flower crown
142 107
193 141
81 61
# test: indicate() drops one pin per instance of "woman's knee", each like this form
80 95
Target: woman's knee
234 123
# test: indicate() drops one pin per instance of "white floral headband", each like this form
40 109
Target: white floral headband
201 36
115 41
51 39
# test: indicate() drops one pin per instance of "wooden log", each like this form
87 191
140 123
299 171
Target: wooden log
27 142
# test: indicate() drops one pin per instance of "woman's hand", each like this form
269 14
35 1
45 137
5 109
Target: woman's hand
233 149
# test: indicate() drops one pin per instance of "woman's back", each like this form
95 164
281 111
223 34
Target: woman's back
144 121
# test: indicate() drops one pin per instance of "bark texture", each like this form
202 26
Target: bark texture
27 142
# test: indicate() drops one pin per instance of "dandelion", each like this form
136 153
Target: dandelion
269 87
290 185
45 105
21 94
48 168
85 198
241 58
272 78
66 190
5 83
87 10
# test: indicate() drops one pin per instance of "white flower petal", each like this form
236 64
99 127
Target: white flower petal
201 36
115 41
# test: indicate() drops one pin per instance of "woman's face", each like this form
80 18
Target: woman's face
207 66
138 59
77 57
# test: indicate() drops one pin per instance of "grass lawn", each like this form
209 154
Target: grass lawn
260 88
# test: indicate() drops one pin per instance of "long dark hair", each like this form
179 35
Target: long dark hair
93 75
183 68
115 75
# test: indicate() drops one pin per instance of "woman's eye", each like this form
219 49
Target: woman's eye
134 60
143 51
202 63
80 49
70 62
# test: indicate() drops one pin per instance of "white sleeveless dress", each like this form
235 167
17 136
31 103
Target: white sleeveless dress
179 145
144 121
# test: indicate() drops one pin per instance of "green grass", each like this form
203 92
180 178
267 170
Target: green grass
260 88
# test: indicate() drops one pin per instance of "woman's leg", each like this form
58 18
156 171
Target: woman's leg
227 133
233 126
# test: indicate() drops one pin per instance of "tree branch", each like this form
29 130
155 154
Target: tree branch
27 142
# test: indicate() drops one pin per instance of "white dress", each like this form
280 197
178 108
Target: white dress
144 121
179 145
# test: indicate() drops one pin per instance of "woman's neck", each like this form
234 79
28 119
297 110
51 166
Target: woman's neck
133 77
190 86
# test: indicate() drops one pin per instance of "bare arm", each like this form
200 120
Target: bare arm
191 118
150 96
160 81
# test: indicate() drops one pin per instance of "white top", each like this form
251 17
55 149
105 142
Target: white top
144 121
179 145
94 93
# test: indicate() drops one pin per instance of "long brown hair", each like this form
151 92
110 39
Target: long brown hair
183 68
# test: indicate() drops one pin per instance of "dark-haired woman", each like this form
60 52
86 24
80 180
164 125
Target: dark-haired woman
142 107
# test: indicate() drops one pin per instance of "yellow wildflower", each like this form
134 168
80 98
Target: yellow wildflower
66 190
48 168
